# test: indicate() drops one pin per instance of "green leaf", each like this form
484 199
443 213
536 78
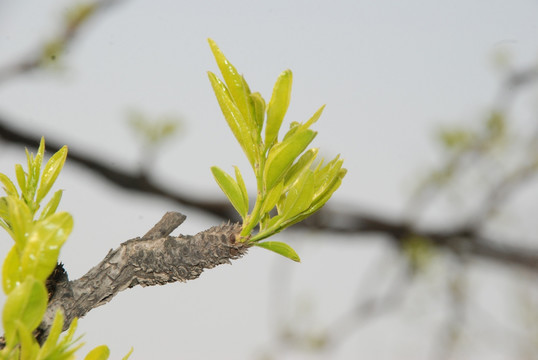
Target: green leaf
295 126
277 107
52 205
11 271
26 303
322 198
314 118
272 197
282 156
259 110
242 187
299 197
99 353
50 173
236 121
326 175
21 177
280 248
44 242
9 187
66 348
128 354
4 212
231 189
236 84
304 163
54 334
34 169
20 220
28 343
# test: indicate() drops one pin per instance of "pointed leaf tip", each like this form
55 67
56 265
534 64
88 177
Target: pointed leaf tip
280 248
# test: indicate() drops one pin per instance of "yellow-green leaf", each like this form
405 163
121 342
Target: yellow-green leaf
282 156
259 110
300 195
34 169
231 190
50 173
128 354
20 219
304 163
43 247
272 197
99 353
280 248
236 85
11 271
314 118
28 344
52 205
242 187
322 198
326 175
26 303
9 187
277 107
54 334
236 121
21 177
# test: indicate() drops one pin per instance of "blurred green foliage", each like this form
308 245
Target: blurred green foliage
38 238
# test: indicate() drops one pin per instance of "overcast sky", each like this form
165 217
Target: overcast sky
390 73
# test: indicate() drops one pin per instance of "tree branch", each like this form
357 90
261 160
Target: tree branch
461 239
155 259
36 59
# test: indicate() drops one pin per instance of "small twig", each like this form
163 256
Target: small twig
34 59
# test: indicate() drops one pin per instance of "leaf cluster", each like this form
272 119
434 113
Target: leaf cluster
290 184
38 239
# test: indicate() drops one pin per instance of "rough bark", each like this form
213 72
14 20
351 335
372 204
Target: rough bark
154 259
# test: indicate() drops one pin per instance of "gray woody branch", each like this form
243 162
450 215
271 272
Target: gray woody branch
154 259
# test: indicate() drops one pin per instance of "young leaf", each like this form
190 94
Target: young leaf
44 242
52 205
21 178
66 347
50 173
11 272
259 110
235 119
34 169
299 196
242 187
282 155
28 344
280 248
128 354
26 303
326 175
20 220
322 198
272 197
54 334
304 163
9 187
277 107
99 353
236 85
231 189
314 118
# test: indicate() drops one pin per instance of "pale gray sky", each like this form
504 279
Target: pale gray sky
390 73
